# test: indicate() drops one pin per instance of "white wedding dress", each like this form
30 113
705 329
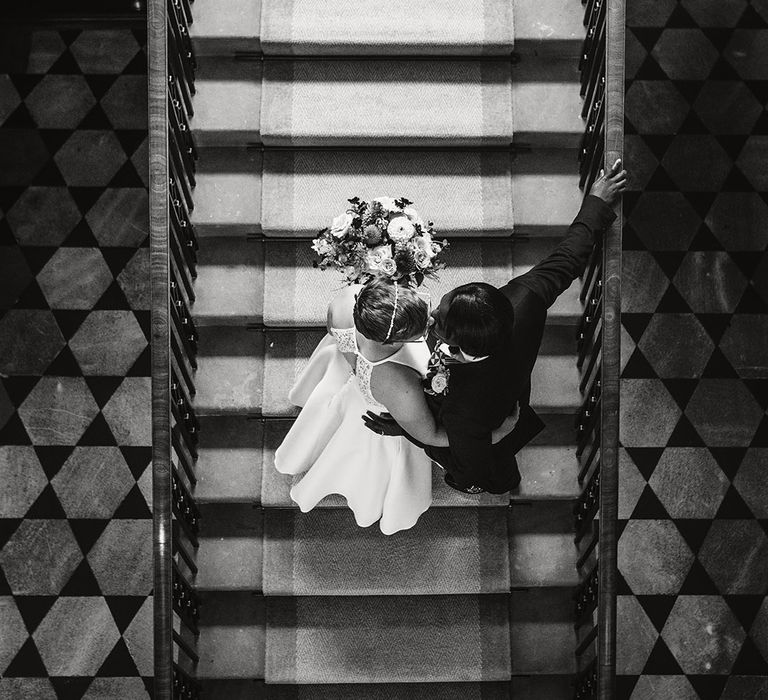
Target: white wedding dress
383 478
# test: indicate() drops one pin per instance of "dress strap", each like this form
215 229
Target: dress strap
345 339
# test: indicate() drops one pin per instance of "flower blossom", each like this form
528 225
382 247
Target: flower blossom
341 224
400 228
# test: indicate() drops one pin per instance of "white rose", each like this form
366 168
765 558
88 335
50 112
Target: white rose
423 244
421 258
413 216
387 203
400 228
375 257
388 267
321 246
341 224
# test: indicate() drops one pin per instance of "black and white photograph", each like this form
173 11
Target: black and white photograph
384 350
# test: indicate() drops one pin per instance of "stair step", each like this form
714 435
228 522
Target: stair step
542 639
371 639
228 191
549 28
351 27
448 551
230 552
305 103
541 688
548 473
229 460
226 26
295 293
248 690
541 548
547 103
251 372
223 81
467 193
343 27
554 378
232 635
243 281
229 288
396 103
464 192
230 371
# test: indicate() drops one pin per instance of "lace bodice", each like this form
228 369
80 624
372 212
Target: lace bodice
410 355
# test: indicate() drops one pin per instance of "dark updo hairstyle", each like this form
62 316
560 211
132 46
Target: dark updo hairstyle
479 319
375 304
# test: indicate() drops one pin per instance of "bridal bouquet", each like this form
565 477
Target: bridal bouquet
383 237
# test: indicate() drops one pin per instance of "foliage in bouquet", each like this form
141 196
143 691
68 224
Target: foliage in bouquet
383 237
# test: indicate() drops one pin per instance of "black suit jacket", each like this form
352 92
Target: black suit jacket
482 394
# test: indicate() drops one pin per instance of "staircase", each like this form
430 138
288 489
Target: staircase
301 104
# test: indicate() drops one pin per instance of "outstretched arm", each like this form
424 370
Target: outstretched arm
553 275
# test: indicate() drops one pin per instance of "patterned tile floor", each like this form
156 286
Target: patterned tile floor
693 551
75 519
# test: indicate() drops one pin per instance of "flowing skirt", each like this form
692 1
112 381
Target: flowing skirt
382 477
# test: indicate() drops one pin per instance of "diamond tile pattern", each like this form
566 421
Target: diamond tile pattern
692 608
75 522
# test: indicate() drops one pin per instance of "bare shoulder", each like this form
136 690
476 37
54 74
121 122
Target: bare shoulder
340 308
391 381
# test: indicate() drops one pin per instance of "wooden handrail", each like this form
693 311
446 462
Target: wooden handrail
173 259
161 347
611 362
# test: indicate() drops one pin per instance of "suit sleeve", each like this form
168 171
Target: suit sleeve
553 275
470 454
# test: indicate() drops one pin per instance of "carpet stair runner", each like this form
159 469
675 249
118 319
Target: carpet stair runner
475 600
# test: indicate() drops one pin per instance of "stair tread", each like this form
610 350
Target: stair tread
231 550
233 622
230 371
371 639
296 192
344 27
324 552
519 688
226 26
396 102
496 28
465 193
547 103
234 476
237 84
228 191
229 459
554 377
230 281
542 639
417 103
295 293
547 473
549 26
541 548
251 372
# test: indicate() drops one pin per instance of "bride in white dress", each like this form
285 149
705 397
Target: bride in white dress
373 358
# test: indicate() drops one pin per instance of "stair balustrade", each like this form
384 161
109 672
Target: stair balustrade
598 336
175 427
